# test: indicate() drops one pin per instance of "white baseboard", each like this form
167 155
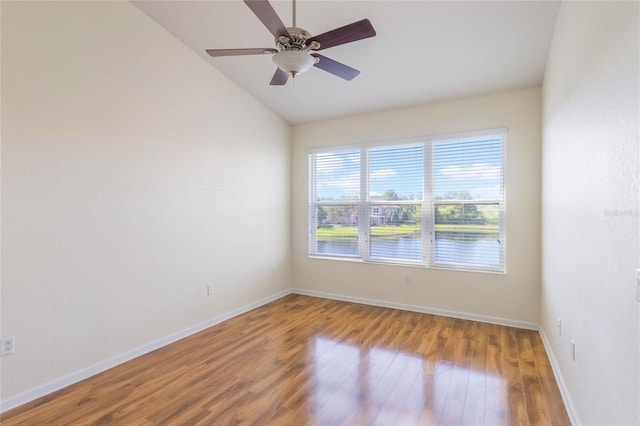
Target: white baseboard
564 390
420 309
77 376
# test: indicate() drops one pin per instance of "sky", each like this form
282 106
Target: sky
471 165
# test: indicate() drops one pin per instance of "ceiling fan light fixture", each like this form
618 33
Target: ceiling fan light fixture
294 62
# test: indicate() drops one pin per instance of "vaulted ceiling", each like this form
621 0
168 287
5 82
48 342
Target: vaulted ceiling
424 51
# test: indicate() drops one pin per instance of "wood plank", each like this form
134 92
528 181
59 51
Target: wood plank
474 406
550 391
360 409
517 409
394 406
534 399
436 388
496 398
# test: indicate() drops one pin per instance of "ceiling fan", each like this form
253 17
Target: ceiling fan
296 48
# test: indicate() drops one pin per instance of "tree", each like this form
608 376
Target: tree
459 214
390 195
321 215
455 195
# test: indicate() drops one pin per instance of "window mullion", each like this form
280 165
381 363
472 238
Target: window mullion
502 226
363 206
428 235
313 209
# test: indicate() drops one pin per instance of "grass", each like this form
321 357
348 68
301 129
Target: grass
475 229
389 231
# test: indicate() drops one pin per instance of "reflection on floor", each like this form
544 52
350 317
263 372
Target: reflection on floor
304 360
391 387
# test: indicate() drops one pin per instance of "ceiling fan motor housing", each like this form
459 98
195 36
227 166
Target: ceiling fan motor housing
298 41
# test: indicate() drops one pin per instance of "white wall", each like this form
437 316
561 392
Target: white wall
590 208
512 296
133 175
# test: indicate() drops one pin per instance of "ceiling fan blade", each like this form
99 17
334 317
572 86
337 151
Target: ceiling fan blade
336 68
239 52
265 13
279 78
347 34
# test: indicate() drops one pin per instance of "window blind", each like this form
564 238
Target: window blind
335 195
468 194
395 193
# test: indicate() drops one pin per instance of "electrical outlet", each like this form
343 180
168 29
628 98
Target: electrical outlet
8 346
210 290
559 325
273 273
573 350
406 280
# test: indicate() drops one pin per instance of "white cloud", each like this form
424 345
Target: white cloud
382 174
354 157
474 171
488 192
350 183
328 163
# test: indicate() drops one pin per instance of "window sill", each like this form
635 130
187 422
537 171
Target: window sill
407 264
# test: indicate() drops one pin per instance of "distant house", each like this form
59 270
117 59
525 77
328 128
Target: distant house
341 217
384 215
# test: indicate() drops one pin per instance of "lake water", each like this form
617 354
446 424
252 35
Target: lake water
478 251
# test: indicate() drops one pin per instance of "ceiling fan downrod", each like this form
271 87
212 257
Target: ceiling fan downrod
294 13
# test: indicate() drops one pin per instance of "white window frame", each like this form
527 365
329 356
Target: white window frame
428 202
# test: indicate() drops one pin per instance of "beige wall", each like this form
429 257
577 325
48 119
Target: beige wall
512 296
133 175
590 208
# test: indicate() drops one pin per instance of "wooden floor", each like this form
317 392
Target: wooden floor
303 360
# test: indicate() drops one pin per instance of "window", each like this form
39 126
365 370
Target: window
435 201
